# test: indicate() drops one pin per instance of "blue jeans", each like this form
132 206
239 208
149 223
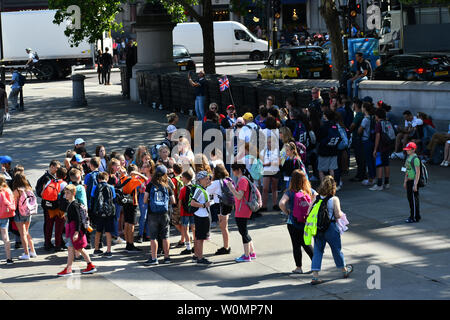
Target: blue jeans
116 221
368 146
428 132
143 226
350 84
333 238
200 107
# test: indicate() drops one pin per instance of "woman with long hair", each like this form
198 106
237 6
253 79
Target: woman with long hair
300 191
242 211
332 236
140 152
201 163
292 162
220 176
100 152
20 187
185 156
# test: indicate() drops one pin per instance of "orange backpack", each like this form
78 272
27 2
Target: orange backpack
50 194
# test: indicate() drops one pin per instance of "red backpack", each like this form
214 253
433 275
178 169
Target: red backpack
50 194
7 204
301 205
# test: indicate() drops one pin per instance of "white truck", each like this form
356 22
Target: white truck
232 40
35 29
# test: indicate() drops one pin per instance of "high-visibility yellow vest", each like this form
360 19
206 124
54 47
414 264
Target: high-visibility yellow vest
311 223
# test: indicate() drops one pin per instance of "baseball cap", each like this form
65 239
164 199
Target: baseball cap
201 175
410 146
5 159
231 107
171 129
161 170
78 158
247 116
240 120
79 141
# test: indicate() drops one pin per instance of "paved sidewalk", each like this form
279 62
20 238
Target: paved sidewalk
413 258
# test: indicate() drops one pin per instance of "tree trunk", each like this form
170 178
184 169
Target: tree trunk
331 16
209 56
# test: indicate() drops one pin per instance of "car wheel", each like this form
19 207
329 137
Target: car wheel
286 77
259 77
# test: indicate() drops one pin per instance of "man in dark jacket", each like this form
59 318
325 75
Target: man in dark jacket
107 64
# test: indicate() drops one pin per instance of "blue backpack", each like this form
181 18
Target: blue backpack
159 199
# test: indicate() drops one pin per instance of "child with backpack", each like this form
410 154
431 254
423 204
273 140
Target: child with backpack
7 210
223 203
159 196
27 206
329 138
103 210
200 205
328 211
292 163
75 234
295 204
50 201
175 216
411 183
382 149
42 181
90 180
243 211
187 219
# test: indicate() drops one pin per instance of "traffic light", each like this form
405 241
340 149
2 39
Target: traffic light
276 9
352 8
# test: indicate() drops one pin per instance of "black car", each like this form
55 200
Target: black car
416 66
297 62
182 58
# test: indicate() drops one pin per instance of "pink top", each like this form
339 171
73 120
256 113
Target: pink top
244 211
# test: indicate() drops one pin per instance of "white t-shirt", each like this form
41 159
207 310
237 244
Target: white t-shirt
200 198
31 55
272 157
246 132
415 122
103 165
215 190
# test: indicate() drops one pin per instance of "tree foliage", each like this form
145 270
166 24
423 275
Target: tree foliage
97 17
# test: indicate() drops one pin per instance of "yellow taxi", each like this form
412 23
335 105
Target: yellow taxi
301 62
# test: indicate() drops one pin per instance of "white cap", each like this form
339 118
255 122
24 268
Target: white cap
79 141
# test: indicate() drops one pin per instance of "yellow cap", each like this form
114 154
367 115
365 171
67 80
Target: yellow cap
248 116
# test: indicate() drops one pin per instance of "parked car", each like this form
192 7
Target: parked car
415 66
182 58
302 62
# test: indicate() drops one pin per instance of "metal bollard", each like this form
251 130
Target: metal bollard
78 98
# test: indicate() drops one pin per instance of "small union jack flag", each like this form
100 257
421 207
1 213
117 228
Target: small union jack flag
224 83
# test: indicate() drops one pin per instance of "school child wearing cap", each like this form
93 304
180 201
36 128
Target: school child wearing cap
412 176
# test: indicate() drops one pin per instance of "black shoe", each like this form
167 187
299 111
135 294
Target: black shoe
9 261
203 262
58 249
88 247
138 239
409 220
49 247
186 251
179 244
223 251
194 259
167 260
135 249
18 245
146 239
98 252
107 255
276 208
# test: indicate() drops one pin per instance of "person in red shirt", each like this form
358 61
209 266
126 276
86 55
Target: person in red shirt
242 211
215 108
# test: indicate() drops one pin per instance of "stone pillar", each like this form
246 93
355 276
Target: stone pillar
154 44
78 95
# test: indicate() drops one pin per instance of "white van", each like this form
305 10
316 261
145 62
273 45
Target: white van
232 41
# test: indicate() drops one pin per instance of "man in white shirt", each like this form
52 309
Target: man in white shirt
32 57
406 134
249 127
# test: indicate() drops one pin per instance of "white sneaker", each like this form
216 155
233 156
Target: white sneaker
119 240
24 257
367 183
33 255
387 186
376 188
442 163
446 164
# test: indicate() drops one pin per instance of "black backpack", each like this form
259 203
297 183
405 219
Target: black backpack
121 198
103 201
328 147
323 219
185 200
